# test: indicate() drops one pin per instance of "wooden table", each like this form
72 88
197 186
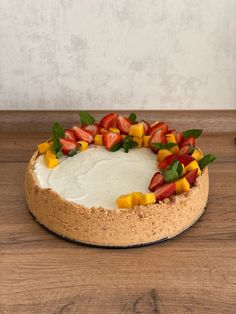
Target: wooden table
193 273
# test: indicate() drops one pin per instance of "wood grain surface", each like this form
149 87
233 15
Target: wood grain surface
42 273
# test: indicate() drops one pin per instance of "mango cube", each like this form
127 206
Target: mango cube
162 154
170 138
174 149
136 198
146 139
182 185
98 139
125 201
183 170
82 145
103 131
136 130
51 159
194 165
123 136
197 154
43 147
114 130
148 198
138 140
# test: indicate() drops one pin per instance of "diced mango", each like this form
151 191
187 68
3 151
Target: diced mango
194 165
197 154
183 170
182 185
82 145
98 139
146 139
125 201
162 154
103 131
51 159
136 198
136 130
114 130
43 147
138 140
170 138
123 136
148 198
174 149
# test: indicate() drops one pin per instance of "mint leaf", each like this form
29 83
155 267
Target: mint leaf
116 147
86 118
191 149
163 146
173 172
193 132
129 143
58 132
171 175
206 160
59 154
132 117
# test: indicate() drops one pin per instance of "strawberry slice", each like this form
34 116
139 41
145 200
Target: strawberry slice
191 176
109 121
158 126
70 135
189 141
123 124
166 162
83 135
91 128
184 159
157 137
157 179
111 139
164 191
178 136
67 145
184 150
146 126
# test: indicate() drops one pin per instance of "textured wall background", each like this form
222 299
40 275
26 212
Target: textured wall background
117 54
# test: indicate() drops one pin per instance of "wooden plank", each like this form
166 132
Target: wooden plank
41 273
32 121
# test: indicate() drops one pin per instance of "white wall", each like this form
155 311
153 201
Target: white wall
67 54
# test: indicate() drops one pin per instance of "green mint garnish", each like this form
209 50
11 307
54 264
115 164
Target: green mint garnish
86 118
173 171
58 132
163 146
129 143
193 132
206 160
132 117
116 147
191 149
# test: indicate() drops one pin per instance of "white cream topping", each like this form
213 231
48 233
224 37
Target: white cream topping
96 177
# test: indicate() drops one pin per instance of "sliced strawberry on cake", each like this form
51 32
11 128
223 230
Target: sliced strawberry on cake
70 135
123 124
110 139
67 145
83 135
157 179
109 121
158 126
93 129
164 191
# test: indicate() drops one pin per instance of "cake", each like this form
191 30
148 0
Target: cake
118 182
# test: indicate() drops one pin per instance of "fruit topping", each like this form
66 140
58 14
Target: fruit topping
93 129
43 147
110 139
146 126
125 201
157 179
182 185
123 124
157 137
193 165
162 154
83 135
146 140
51 159
98 139
136 130
82 145
139 141
164 191
189 141
191 176
158 126
67 145
70 135
109 121
148 198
